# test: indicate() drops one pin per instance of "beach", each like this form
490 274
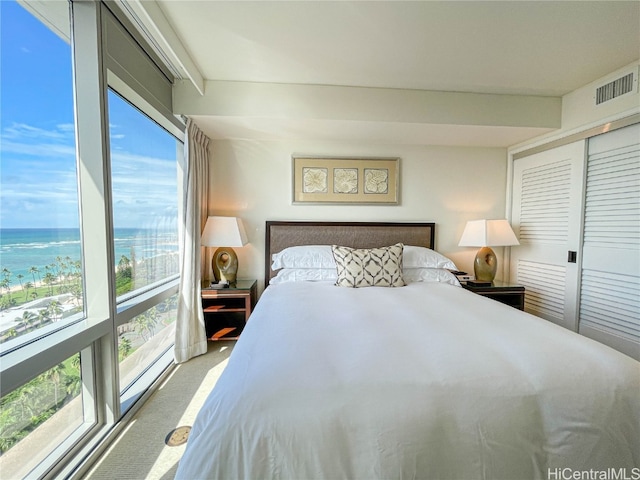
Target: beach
33 258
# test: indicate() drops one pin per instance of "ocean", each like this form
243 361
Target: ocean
23 248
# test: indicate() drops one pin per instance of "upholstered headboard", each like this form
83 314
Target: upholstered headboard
282 234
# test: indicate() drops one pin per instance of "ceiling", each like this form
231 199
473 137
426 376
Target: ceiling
546 48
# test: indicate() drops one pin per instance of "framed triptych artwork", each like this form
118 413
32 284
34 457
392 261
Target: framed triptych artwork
345 180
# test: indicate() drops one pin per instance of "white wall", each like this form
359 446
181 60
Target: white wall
446 185
580 113
579 108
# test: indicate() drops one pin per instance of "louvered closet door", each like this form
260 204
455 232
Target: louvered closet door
610 291
546 212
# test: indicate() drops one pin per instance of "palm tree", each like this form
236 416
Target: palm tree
55 272
124 348
55 309
25 399
75 362
33 270
6 284
27 286
55 374
20 277
28 319
73 384
74 379
76 293
63 273
171 302
44 316
21 321
140 326
152 317
49 280
124 263
145 323
6 273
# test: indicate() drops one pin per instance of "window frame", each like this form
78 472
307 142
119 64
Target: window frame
95 335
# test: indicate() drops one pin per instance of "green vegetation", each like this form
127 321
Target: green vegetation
124 276
27 407
22 410
61 277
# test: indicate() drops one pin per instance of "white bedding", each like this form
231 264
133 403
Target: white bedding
423 381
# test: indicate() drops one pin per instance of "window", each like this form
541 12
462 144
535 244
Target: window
41 289
144 178
59 316
145 198
39 416
144 339
41 263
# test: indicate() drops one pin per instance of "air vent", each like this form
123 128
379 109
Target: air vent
615 89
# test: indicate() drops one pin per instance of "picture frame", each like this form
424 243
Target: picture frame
345 180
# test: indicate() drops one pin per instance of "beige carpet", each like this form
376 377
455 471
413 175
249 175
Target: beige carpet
140 451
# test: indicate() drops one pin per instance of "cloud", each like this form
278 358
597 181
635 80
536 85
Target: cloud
20 140
66 127
39 173
113 127
39 150
22 130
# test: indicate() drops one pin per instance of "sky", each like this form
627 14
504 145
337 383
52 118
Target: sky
37 146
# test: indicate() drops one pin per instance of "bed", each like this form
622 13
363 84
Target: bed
426 380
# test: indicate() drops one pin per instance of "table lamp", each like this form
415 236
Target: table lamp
224 233
487 234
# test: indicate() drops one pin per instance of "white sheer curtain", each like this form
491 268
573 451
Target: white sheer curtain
191 338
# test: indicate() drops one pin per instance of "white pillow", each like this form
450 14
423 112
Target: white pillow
412 275
321 256
304 275
304 256
422 257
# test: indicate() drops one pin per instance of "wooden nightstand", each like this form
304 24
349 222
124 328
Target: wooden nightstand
502 292
227 310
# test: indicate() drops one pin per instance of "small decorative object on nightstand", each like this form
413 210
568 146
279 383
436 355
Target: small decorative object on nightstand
463 277
227 310
500 291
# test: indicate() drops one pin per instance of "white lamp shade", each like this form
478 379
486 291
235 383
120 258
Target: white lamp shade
223 232
488 233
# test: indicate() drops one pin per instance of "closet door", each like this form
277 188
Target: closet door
610 291
546 213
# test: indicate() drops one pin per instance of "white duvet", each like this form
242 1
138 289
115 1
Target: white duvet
424 381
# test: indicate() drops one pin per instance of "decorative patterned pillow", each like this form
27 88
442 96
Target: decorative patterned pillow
370 267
